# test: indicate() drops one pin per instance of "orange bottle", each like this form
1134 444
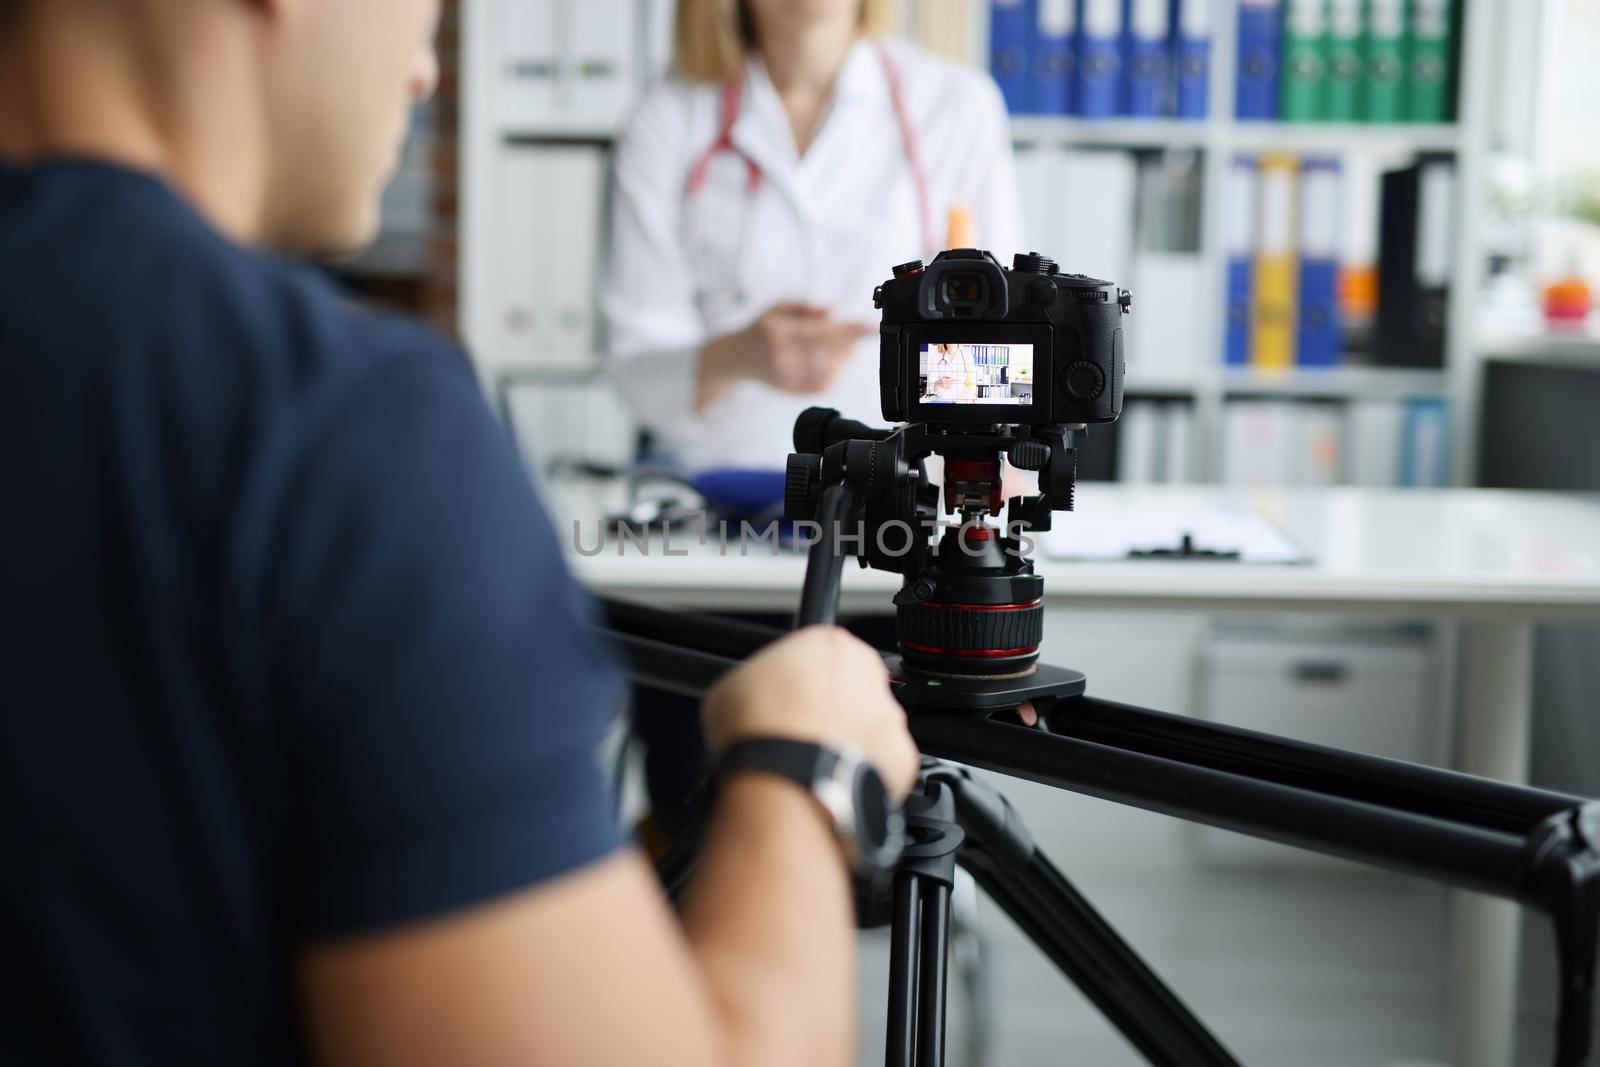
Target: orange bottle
960 231
1567 299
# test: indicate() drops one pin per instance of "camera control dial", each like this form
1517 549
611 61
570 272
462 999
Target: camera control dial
1083 381
801 484
1033 262
1028 455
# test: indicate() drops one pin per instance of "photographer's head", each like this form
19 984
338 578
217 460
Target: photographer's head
281 119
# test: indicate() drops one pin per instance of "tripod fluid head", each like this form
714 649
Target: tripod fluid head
969 614
985 365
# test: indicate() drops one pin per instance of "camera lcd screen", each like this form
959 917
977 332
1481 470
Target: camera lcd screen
954 373
975 373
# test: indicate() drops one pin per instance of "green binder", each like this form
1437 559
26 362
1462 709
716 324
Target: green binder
1428 73
1383 72
1343 93
1305 61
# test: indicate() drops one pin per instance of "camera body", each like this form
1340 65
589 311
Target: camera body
965 341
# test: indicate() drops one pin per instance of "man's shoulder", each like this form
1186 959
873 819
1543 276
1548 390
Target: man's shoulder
298 316
116 283
277 326
323 331
223 358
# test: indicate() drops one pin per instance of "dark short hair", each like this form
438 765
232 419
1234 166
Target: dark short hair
9 10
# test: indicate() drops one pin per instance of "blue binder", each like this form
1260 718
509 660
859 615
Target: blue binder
1055 56
1145 71
1099 58
1010 52
1191 57
1240 230
1260 40
1320 337
1425 443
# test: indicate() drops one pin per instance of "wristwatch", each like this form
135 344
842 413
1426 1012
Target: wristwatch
870 829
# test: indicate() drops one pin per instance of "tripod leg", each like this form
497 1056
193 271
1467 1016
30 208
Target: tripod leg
970 956
676 865
999 852
1089 951
934 975
903 967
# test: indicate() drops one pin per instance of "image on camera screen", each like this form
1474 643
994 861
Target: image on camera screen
976 374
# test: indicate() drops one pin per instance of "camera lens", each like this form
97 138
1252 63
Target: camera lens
963 290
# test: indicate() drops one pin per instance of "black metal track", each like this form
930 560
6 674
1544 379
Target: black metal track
1438 824
1513 841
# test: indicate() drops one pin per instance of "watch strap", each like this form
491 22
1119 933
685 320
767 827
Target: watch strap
802 762
817 770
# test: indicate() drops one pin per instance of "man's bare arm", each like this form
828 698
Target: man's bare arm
592 968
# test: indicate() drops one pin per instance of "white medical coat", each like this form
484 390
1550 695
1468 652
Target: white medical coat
823 228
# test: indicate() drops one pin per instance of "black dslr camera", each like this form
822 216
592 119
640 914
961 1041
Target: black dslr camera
983 367
966 341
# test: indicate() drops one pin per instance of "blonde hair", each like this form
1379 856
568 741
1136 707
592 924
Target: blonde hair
712 37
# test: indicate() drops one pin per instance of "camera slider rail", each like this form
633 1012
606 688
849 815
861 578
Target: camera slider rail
1537 847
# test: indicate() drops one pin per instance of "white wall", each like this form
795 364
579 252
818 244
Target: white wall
1569 132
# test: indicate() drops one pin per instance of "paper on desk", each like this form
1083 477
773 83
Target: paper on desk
1112 534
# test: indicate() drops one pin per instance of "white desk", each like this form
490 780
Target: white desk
1494 562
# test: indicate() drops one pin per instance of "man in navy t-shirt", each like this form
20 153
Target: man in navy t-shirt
298 704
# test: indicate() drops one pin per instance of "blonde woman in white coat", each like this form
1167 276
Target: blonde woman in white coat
762 192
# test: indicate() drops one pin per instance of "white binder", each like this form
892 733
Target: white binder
549 210
598 78
528 65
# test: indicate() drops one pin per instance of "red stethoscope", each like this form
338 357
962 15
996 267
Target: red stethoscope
732 104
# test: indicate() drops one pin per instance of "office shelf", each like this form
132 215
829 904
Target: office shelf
1044 131
1159 385
544 133
1204 383
1341 136
1339 383
1579 342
